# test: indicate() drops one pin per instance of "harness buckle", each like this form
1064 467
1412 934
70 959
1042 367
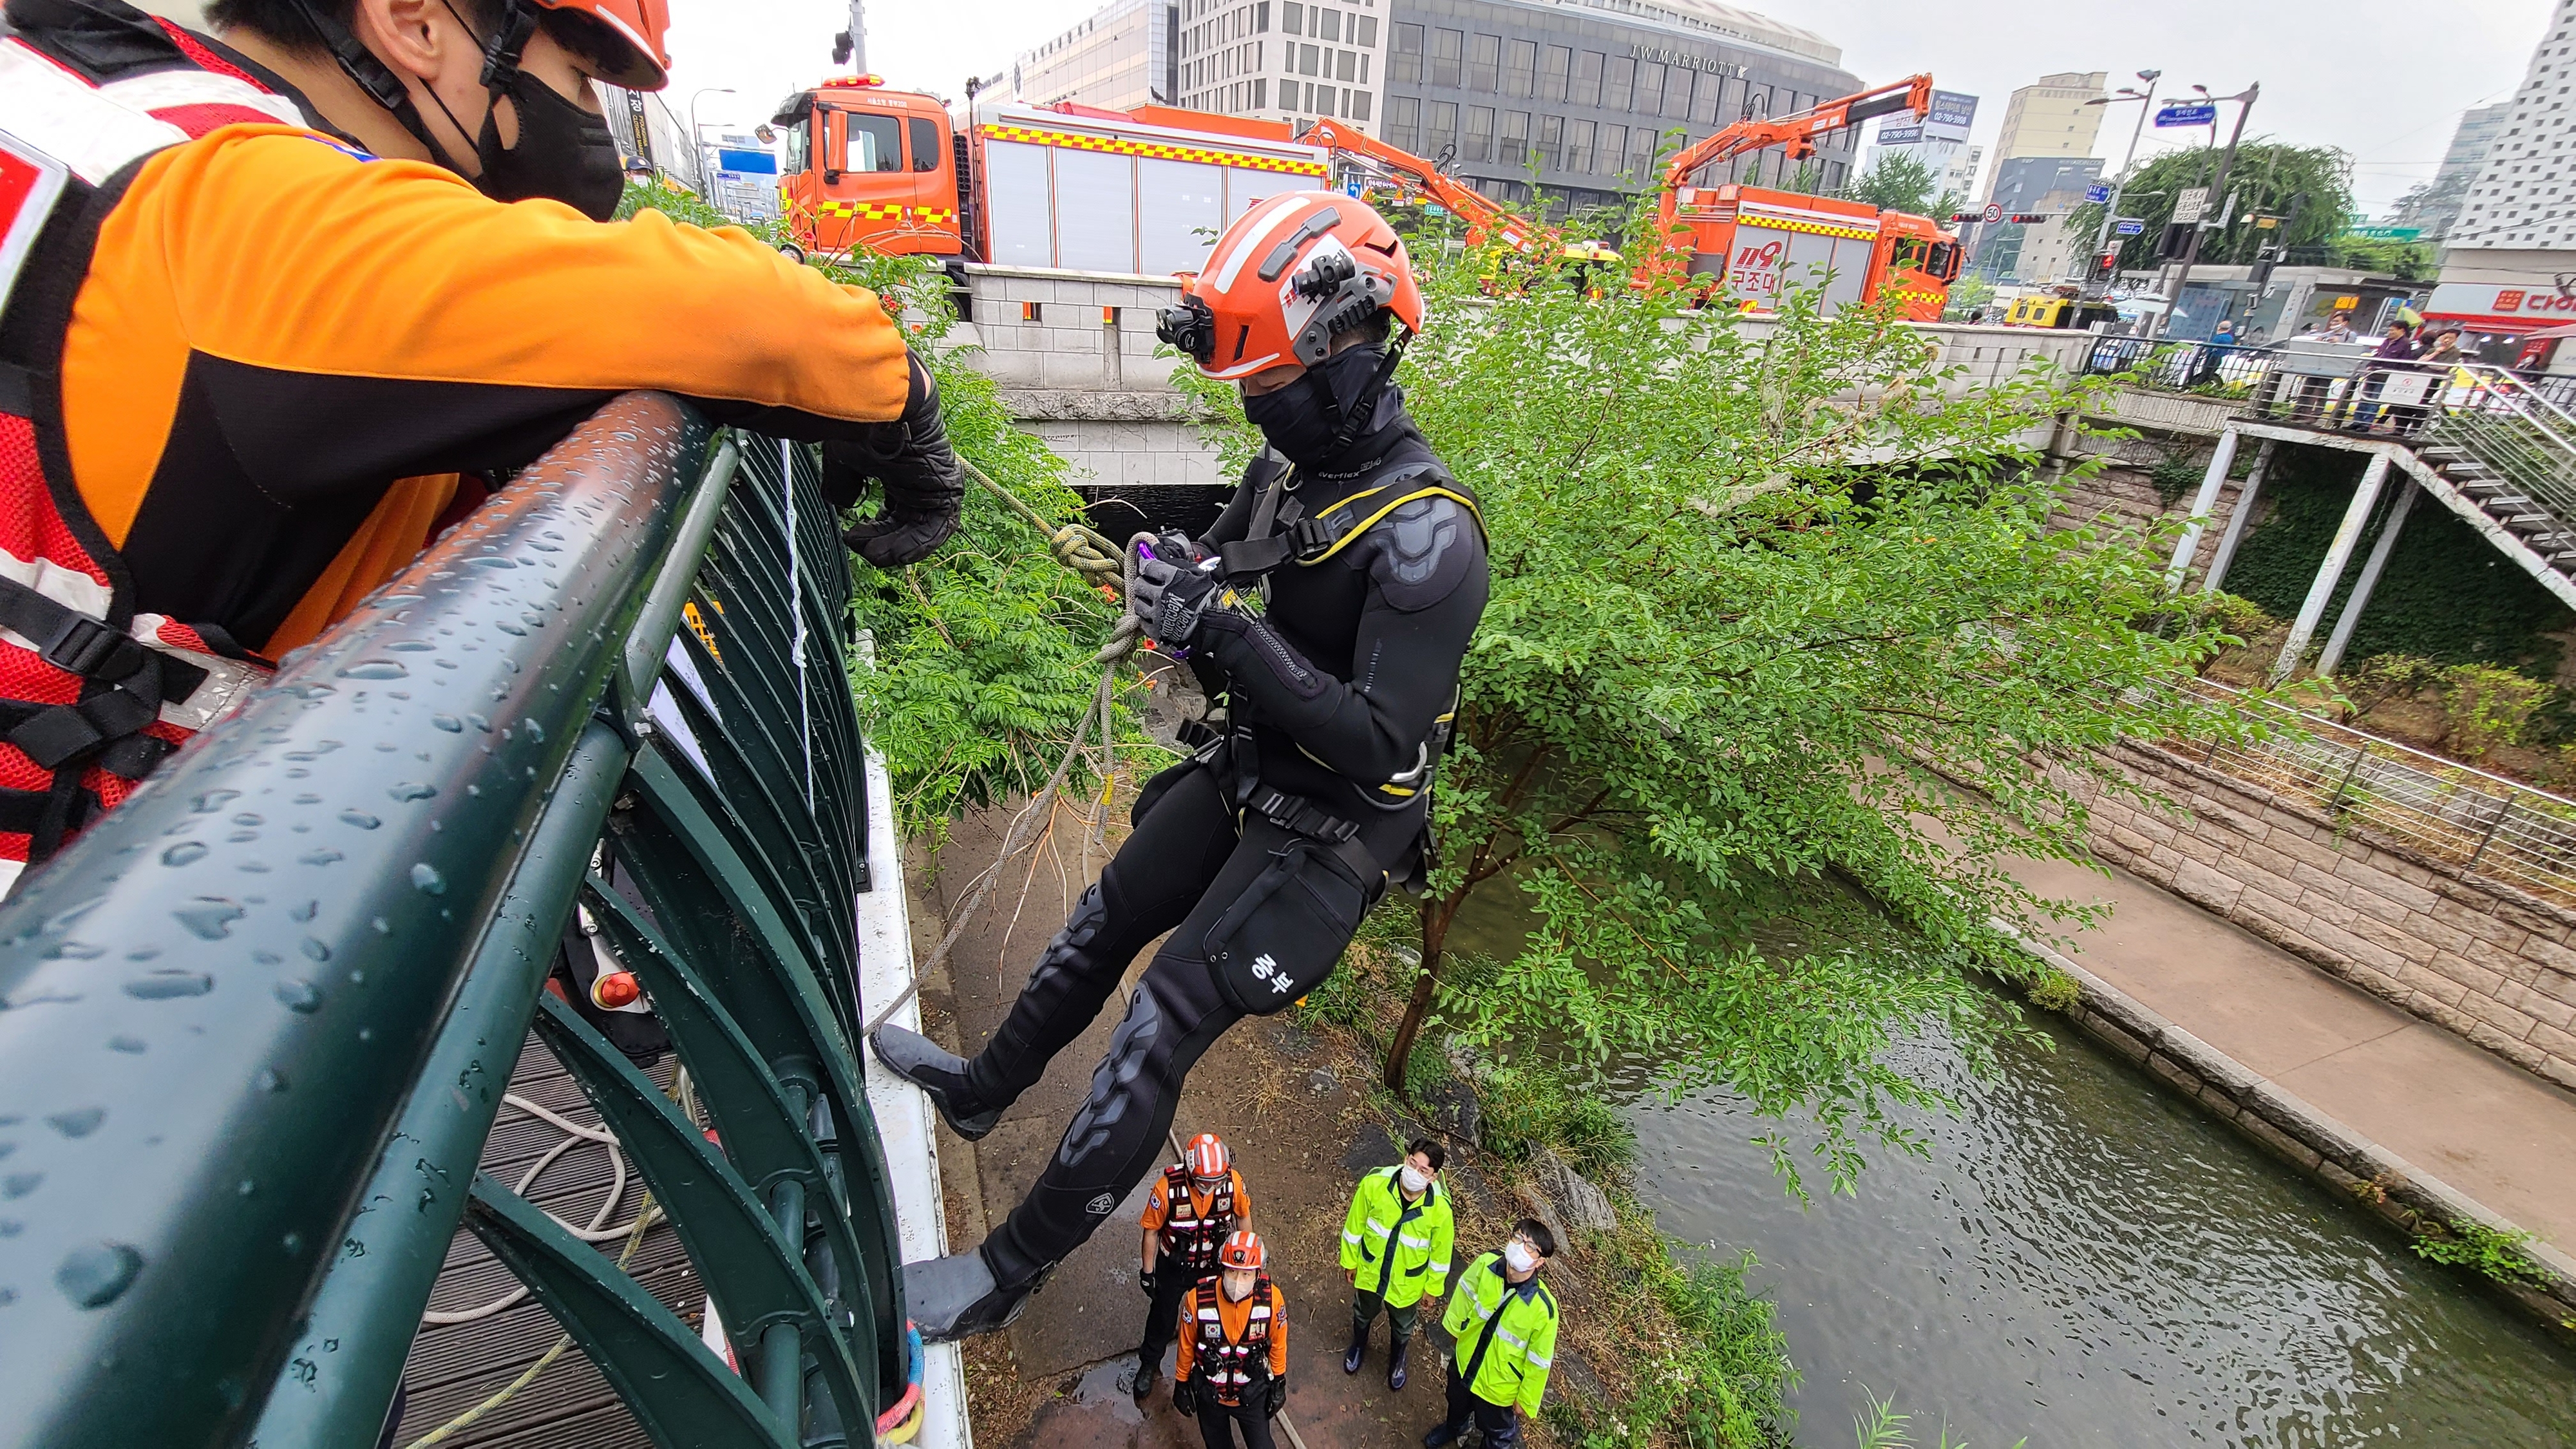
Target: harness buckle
82 645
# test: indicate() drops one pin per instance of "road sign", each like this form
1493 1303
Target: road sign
2190 205
2386 233
2128 226
2097 193
2199 115
1994 212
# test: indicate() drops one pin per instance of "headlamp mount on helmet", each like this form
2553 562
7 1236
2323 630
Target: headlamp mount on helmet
1189 326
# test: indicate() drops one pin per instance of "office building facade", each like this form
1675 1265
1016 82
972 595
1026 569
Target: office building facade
1284 60
1585 93
2050 117
2507 260
1118 58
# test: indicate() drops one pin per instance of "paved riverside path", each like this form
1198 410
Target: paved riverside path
2502 1136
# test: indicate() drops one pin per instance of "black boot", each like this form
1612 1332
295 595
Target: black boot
1358 1355
939 1074
965 1294
1445 1434
1146 1373
1395 1366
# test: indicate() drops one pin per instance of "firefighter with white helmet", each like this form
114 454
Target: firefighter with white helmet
1199 1202
1233 1369
1331 605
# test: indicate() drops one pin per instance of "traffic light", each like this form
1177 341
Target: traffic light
2175 241
2106 265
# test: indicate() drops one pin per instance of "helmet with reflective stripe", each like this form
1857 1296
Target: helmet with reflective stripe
1243 1250
1289 276
642 62
1206 1156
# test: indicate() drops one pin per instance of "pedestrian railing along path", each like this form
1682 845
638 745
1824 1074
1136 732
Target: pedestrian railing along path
255 1025
2451 813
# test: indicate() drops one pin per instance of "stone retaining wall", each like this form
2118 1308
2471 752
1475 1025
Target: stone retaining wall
2478 957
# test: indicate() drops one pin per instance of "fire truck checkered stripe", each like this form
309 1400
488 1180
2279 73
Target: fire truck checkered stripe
1157 150
883 211
1818 228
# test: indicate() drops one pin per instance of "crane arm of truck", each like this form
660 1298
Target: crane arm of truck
1485 220
1798 132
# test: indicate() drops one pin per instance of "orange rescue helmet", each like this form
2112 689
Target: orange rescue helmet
643 62
1291 274
1243 1250
1206 1156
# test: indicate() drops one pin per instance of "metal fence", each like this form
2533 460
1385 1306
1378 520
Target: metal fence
254 1025
2215 368
2458 815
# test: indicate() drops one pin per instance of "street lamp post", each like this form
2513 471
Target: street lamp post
2217 189
697 138
2120 183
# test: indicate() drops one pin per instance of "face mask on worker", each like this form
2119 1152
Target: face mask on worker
1518 1257
1206 1186
1413 1178
564 152
1238 1284
1303 419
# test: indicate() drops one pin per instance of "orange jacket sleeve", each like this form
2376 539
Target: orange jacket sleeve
1188 1335
1278 1333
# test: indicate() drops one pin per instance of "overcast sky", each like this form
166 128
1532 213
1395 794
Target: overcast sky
2384 79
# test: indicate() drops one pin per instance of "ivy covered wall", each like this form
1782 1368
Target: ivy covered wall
2447 595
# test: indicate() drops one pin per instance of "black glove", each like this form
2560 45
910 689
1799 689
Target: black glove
1145 1280
924 486
1274 1398
1170 597
1185 1397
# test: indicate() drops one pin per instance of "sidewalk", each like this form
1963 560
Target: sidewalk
2501 1137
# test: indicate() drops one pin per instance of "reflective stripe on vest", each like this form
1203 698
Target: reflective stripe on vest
1187 1237
1230 1366
76 728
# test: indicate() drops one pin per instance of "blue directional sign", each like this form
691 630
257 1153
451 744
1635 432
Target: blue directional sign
2204 114
2097 193
2127 226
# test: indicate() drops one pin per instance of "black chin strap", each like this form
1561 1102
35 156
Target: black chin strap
501 52
1356 426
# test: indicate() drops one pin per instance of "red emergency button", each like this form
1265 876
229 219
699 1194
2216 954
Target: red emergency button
613 989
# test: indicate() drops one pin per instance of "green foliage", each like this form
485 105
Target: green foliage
1529 1106
2384 677
2486 707
1967 294
2269 179
1724 646
2481 1249
1896 181
1710 1370
2446 596
2233 615
983 650
2054 990
1881 1426
2174 475
2407 261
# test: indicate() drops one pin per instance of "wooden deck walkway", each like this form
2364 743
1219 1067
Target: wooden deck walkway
453 1367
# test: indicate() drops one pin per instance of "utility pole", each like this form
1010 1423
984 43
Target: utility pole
2217 187
858 34
2120 183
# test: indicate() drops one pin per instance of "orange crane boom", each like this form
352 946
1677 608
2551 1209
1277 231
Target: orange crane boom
1485 220
1797 132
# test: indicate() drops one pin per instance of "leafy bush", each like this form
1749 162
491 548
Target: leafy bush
1529 1106
2486 707
1708 1365
2174 475
2386 677
2054 990
2481 1249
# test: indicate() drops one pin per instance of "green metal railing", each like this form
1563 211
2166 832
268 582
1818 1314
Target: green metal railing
255 1025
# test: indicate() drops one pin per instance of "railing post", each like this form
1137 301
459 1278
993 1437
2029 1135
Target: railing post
2362 587
2330 571
2238 521
2487 839
2359 753
2211 482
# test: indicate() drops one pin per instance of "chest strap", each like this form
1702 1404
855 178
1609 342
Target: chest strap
1281 529
138 679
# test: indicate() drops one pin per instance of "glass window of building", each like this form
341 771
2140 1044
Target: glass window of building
1553 63
1332 22
1641 155
1484 62
1520 67
1512 149
1578 147
1307 56
1551 142
1359 104
1478 142
1618 82
1650 89
1368 32
1323 100
1443 131
1292 18
1403 53
1677 92
1447 46
1587 78
1614 146
1404 123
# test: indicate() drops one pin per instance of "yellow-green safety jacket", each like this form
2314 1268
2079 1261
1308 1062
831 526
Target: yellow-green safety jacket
1421 1233
1503 1336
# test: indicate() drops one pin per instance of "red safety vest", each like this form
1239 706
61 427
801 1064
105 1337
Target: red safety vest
1231 1366
1188 1239
92 693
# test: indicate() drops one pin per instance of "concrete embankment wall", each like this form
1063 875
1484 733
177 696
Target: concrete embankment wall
2478 957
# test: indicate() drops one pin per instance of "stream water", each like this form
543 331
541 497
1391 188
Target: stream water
2085 1260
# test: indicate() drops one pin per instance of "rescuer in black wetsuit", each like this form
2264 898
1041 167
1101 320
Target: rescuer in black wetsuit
1332 602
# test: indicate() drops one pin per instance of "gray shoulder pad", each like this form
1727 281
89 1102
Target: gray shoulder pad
1422 550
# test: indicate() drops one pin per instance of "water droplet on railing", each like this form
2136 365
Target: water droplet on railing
130 1045
315 950
97 1274
374 669
536 731
210 919
301 997
428 880
80 1122
410 790
449 723
410 646
360 819
166 985
324 856
74 951
269 1079
214 800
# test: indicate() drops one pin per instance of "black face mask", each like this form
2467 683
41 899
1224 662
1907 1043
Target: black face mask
564 152
1306 420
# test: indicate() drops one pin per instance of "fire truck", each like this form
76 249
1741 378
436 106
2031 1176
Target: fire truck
1752 243
1072 187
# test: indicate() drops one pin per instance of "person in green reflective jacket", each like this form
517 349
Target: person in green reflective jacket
1502 1330
1395 1250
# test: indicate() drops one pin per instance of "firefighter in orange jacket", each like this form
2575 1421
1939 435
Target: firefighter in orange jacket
273 299
1233 1368
1188 1215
